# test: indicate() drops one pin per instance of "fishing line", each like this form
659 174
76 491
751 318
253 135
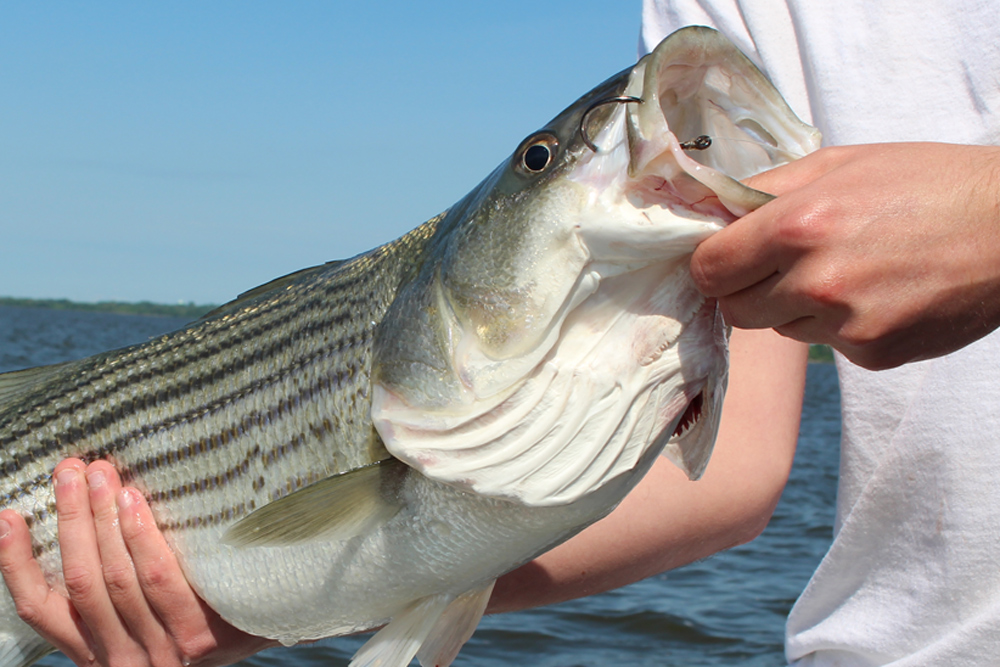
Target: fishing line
769 147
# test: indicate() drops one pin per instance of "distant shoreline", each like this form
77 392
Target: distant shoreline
821 354
189 310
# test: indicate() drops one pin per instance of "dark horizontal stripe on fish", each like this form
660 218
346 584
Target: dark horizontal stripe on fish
256 419
223 436
160 347
38 549
231 513
237 511
212 482
38 516
206 521
161 394
118 446
209 482
212 344
108 418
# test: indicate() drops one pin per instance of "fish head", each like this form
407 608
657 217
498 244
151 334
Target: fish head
549 338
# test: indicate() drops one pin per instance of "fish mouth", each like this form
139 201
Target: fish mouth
691 415
697 117
703 349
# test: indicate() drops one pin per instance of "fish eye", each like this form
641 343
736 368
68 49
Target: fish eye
537 153
537 157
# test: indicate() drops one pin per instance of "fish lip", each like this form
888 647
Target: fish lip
696 82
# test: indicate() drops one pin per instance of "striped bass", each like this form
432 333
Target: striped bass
372 442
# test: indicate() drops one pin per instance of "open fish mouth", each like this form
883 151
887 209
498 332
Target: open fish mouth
663 152
694 118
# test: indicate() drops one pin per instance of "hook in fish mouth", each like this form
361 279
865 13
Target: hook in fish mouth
699 143
620 99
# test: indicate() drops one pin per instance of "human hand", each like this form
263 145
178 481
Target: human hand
889 253
129 603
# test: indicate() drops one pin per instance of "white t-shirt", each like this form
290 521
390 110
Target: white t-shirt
913 574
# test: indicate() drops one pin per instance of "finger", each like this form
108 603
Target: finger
877 355
200 634
774 304
755 307
737 257
47 612
771 238
81 560
118 569
800 172
185 617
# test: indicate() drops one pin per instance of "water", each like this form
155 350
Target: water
726 610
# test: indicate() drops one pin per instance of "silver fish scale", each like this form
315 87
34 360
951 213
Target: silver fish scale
221 417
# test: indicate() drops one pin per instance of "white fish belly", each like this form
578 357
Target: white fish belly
442 541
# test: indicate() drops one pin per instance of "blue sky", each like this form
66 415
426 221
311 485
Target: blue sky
188 151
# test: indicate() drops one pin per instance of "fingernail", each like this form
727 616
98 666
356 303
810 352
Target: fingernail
96 479
4 529
125 499
67 476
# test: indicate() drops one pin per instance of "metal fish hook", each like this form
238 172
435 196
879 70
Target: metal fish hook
621 99
697 144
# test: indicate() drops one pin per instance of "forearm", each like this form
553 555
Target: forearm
668 520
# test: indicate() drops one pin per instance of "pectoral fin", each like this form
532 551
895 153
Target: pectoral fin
332 509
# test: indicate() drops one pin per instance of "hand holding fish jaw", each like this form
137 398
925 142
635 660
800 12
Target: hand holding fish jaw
890 253
127 601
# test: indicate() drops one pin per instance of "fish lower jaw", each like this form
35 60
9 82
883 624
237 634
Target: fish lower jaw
681 196
642 231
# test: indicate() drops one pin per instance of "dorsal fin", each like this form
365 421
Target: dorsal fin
271 286
18 382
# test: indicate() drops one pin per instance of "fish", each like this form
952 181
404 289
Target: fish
370 443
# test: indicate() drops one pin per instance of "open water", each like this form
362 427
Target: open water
726 610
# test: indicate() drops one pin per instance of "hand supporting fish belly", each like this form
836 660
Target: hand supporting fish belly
373 442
